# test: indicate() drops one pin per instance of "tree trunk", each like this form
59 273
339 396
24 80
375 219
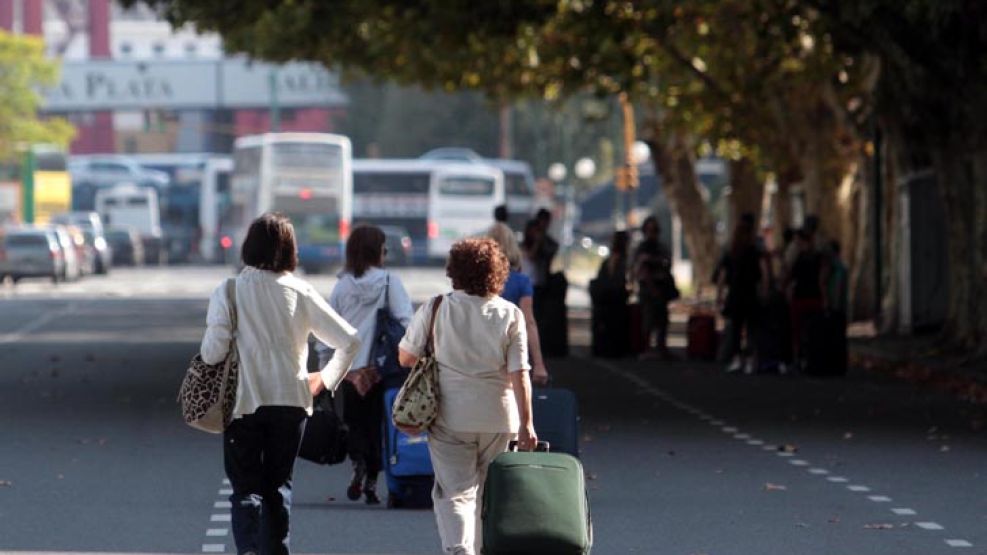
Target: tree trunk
746 191
961 181
675 162
861 255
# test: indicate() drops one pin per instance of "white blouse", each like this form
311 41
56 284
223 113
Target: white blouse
275 314
478 341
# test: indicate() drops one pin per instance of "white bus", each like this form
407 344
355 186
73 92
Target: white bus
519 190
217 211
306 176
436 201
130 205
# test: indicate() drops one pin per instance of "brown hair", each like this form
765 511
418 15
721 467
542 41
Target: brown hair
270 244
364 249
478 267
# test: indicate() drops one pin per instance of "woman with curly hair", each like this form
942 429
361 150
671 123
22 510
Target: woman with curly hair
481 348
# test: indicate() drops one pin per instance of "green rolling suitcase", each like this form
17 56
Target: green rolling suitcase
536 502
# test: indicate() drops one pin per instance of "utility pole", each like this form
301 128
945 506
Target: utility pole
27 186
275 107
626 176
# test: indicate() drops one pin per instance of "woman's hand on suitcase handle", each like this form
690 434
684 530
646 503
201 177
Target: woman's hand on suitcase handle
527 439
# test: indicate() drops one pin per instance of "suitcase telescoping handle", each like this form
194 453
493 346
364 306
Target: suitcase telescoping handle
542 447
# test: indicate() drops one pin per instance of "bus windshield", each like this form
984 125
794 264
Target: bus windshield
467 186
321 157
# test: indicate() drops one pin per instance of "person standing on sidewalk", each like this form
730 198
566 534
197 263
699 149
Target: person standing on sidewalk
357 296
656 287
519 291
741 281
276 312
480 346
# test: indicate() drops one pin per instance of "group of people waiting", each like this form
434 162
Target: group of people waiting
648 272
779 302
486 345
771 298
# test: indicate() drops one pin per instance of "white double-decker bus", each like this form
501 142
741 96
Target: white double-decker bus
437 202
306 176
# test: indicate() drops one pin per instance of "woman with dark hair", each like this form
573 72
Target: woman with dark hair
363 288
741 278
480 346
656 287
276 312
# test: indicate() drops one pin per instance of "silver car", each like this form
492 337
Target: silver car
32 252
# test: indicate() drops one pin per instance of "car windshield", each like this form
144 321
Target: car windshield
27 240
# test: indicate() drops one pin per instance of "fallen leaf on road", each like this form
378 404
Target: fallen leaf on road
587 438
788 448
801 525
774 487
881 526
944 449
5 483
591 477
834 520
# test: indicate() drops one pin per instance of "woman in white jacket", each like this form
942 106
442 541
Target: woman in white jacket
363 288
275 314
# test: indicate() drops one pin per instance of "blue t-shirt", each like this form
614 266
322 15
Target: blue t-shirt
517 287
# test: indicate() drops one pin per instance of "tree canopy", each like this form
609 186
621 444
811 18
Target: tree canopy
23 71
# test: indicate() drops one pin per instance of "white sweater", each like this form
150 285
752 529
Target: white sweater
275 314
357 299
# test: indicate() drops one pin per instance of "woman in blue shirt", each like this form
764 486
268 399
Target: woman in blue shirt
519 290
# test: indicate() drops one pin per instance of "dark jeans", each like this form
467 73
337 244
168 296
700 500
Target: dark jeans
654 318
365 417
259 452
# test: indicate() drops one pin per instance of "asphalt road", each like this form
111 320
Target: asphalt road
681 459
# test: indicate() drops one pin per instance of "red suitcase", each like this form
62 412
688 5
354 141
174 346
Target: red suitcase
701 335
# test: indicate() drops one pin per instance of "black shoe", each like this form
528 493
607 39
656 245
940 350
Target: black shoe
354 490
370 490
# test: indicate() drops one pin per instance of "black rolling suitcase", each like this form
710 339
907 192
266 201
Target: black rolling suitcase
824 345
556 418
553 319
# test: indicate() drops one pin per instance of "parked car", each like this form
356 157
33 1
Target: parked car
73 266
398 244
126 245
102 252
32 252
91 226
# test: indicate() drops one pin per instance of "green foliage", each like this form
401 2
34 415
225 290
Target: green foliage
24 70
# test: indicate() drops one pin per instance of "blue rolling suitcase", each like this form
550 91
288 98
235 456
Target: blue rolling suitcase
556 415
407 464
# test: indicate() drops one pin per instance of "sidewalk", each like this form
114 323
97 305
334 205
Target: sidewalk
920 360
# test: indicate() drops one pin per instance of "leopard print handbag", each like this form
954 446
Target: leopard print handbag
208 392
416 405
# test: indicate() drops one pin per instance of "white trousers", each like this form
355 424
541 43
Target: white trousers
460 461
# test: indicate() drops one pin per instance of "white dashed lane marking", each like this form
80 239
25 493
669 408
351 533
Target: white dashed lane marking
220 518
222 505
754 442
217 532
226 491
214 548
